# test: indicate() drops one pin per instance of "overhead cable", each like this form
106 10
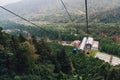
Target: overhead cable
23 18
66 10
86 9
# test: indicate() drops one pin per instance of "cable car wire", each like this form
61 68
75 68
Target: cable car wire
44 29
86 9
66 10
23 18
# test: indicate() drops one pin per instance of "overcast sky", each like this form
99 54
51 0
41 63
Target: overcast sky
5 2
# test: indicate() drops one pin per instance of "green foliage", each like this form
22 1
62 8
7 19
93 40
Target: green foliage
113 73
62 62
38 60
109 47
89 67
25 57
109 16
21 38
43 50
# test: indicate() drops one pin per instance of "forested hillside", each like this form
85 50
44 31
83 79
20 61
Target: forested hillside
109 16
24 59
29 52
40 10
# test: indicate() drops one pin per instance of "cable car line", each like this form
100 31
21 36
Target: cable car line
66 10
86 9
23 18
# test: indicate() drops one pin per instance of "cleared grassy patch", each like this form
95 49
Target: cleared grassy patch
92 53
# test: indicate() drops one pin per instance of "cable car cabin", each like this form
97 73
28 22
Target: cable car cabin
74 50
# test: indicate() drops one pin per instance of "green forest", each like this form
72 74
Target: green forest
33 59
35 51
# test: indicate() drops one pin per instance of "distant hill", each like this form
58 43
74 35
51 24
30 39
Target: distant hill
40 10
109 16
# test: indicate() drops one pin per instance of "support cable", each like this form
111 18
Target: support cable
66 10
86 9
23 18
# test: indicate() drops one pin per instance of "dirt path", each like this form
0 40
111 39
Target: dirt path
106 57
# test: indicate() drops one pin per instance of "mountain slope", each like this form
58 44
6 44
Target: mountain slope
109 16
38 10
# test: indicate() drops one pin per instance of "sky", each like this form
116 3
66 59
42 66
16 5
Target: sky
5 2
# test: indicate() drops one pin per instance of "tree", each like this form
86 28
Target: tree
21 38
63 61
4 39
34 40
14 44
43 50
114 73
1 29
25 57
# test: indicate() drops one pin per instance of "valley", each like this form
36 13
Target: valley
43 50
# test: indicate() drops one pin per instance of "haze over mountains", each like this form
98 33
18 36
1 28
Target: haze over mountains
39 9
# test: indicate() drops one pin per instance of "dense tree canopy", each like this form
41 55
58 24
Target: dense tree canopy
33 59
